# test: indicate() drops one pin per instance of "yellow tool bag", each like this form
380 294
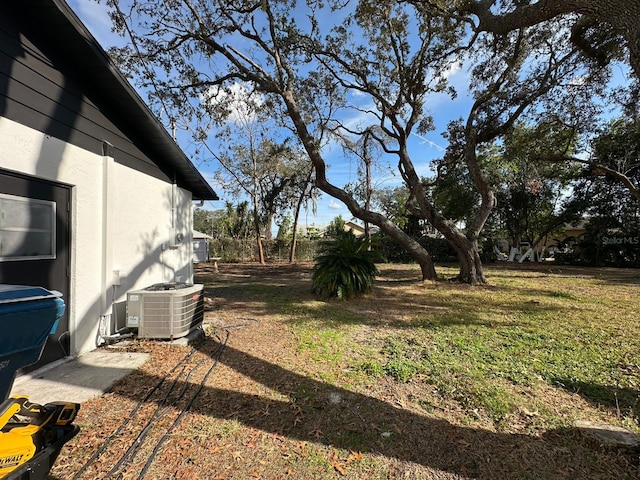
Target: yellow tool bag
32 435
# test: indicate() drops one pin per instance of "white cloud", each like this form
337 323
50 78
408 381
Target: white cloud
578 81
357 93
238 99
453 68
334 205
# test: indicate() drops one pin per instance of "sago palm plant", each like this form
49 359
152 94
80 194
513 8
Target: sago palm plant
345 266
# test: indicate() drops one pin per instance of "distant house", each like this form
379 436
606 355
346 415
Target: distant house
95 195
359 230
311 231
568 235
575 231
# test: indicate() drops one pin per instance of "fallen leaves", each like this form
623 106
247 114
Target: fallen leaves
252 439
355 456
316 432
301 449
340 465
339 468
280 420
237 456
215 449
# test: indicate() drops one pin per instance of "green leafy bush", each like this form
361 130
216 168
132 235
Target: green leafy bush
345 266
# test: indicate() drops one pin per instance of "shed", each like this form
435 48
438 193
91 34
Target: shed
200 247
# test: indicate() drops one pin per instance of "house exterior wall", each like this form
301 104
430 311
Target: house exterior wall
58 123
42 89
122 220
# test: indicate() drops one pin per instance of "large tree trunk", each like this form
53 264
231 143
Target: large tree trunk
268 235
294 236
471 269
466 247
260 249
417 251
411 246
296 217
256 220
419 254
292 249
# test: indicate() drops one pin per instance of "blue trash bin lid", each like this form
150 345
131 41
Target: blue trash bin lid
24 293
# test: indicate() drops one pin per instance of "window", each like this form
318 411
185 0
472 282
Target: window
27 228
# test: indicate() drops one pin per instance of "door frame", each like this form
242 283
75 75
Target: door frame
53 274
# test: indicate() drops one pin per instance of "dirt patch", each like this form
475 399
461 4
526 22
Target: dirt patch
247 402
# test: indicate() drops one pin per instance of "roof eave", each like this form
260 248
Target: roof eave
165 147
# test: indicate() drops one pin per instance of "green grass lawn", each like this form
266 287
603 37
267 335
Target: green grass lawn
512 351
433 379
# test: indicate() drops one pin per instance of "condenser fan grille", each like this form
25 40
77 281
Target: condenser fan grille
164 312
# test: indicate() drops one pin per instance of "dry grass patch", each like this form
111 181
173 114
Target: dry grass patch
417 380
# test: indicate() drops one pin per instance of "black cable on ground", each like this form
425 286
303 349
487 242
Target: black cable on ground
157 415
177 421
143 433
131 415
215 355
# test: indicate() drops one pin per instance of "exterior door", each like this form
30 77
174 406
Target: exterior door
35 244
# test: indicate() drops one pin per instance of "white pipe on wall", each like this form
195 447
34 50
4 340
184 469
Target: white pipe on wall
107 273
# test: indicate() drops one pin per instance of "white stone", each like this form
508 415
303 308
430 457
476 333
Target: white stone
609 436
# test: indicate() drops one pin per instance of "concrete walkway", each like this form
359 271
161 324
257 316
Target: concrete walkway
78 379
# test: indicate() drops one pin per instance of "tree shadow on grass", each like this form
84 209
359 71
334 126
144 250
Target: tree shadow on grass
448 305
621 401
310 410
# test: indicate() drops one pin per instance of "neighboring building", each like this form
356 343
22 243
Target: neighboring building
95 196
575 231
357 230
569 235
311 231
200 247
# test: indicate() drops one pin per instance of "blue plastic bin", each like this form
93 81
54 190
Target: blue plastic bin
28 315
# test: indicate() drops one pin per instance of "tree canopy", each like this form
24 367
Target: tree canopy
603 30
333 71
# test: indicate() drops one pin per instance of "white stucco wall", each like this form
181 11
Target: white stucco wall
121 220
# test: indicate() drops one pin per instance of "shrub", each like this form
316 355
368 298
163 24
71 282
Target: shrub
372 368
232 250
439 249
344 267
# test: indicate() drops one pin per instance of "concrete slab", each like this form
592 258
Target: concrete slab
78 379
190 337
609 436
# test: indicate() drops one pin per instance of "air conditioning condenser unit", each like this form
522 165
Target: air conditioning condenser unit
165 310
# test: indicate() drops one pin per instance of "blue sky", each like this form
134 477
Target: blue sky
341 171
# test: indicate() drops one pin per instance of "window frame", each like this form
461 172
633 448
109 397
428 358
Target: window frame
52 231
